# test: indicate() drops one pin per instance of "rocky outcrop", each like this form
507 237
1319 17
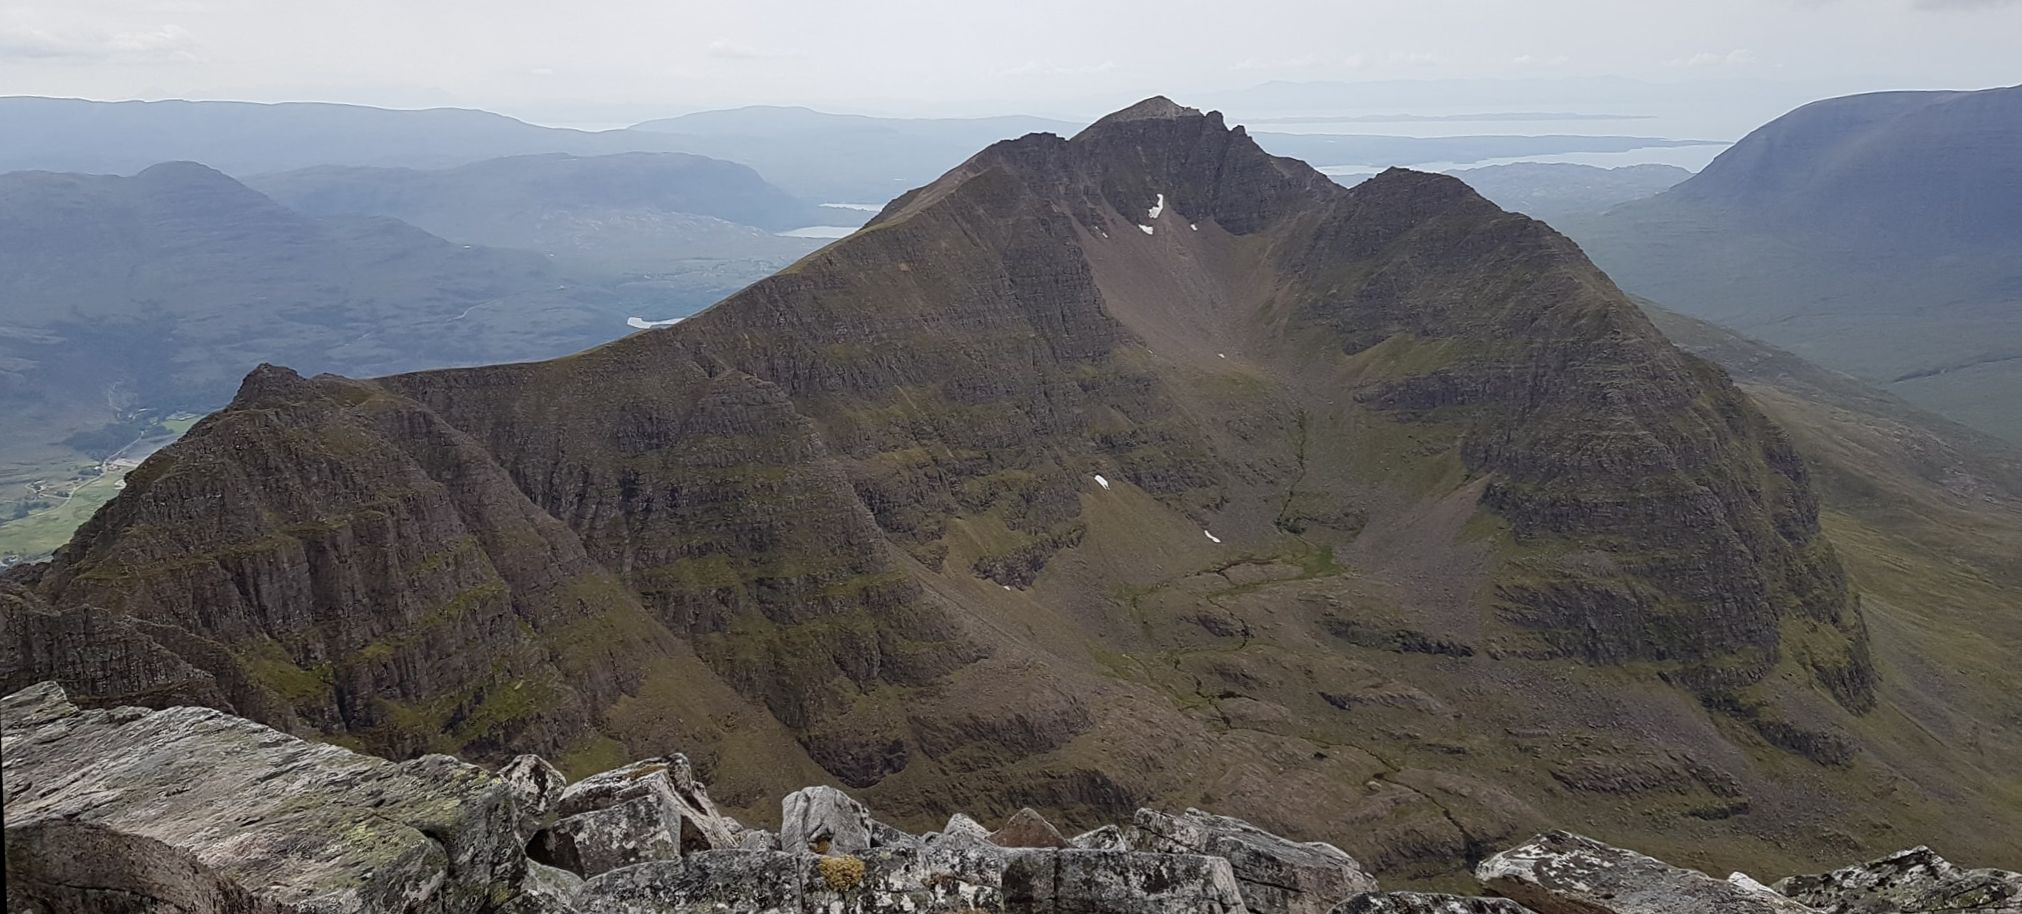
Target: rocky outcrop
1564 873
202 811
537 787
1420 903
1027 828
823 820
191 811
1914 881
1278 876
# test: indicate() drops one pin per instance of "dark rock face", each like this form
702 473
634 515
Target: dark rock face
1563 873
1912 881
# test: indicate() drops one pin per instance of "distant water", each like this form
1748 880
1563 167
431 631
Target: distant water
821 231
1691 158
864 207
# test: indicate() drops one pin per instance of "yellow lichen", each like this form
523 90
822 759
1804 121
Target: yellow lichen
841 873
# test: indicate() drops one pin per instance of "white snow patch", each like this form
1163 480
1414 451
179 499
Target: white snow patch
641 323
1005 586
1211 537
1101 481
1156 208
1221 355
1147 229
1194 226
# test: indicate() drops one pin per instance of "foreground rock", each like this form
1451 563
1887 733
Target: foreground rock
537 786
1909 882
1564 873
1278 876
1420 903
193 810
823 819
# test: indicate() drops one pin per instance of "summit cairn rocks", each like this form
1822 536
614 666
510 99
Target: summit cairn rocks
1421 903
1908 882
823 820
1563 873
1278 875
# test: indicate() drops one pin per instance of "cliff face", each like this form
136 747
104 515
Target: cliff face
1138 464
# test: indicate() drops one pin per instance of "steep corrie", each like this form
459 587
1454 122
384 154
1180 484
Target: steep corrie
1138 465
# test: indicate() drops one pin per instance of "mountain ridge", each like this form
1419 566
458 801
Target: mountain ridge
1137 464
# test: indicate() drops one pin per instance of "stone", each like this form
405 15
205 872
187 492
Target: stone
1278 875
1563 873
824 820
672 779
886 835
757 839
893 881
1027 828
746 882
635 831
1105 838
1119 882
961 831
1422 903
537 787
194 810
550 890
1910 882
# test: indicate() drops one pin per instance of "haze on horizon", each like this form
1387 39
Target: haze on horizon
621 61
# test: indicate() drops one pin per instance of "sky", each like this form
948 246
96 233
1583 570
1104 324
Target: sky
616 61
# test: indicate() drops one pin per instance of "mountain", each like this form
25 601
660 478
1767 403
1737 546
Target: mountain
1137 467
1874 234
247 138
1554 190
655 213
161 289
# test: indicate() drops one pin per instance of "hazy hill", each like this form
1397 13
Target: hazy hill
161 289
1875 234
1553 191
653 213
1137 467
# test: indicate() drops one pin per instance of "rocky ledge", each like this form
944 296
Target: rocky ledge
193 811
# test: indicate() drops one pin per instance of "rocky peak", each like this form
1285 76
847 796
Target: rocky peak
1157 107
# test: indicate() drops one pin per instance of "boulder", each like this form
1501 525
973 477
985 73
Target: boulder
1278 875
1105 838
757 839
824 820
960 832
1421 903
894 881
1910 882
670 778
883 835
191 809
1027 828
634 831
1119 882
1563 873
537 787
549 890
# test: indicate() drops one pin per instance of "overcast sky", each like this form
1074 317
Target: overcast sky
592 60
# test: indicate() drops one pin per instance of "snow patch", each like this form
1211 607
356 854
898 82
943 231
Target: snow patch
1147 229
1193 226
1101 481
1221 355
1156 208
641 323
1211 537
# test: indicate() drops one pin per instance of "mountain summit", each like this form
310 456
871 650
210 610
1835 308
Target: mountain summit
1138 465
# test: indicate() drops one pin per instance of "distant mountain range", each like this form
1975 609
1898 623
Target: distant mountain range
1877 234
820 157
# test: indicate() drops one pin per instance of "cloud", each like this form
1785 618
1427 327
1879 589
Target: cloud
1049 68
726 49
1533 60
162 42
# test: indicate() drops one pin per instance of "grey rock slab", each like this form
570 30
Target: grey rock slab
1563 873
1910 882
1119 882
1424 903
537 787
823 819
204 811
637 830
1278 875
